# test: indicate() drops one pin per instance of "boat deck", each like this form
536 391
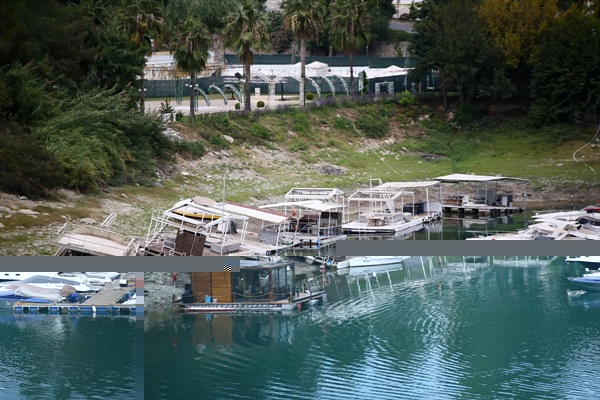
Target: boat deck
379 227
480 209
242 307
107 301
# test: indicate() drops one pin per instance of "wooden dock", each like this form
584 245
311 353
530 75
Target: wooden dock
106 302
480 210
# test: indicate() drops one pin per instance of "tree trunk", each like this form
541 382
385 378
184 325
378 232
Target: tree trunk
142 96
302 71
192 93
247 88
351 76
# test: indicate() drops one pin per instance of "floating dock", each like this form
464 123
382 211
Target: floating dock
106 302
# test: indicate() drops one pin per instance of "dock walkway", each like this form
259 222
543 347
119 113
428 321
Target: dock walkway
106 301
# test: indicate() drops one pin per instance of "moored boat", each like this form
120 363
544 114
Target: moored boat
356 265
587 281
590 262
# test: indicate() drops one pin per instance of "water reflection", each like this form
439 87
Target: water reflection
440 328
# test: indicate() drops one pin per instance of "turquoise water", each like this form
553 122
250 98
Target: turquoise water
511 328
66 357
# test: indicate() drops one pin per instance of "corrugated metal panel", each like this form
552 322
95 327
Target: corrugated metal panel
476 178
401 185
254 213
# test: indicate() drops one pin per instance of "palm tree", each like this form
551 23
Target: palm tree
305 19
190 47
247 32
349 21
142 20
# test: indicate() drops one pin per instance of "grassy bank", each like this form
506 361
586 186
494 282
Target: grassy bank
339 146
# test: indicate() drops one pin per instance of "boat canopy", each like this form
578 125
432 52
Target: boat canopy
407 185
476 178
330 194
267 216
309 204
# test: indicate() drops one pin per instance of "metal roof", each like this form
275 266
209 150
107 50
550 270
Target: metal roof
402 185
476 178
313 193
268 216
310 204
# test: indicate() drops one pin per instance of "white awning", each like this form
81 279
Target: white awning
254 213
309 204
404 185
476 178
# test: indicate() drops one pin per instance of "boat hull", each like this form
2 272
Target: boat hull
590 262
587 283
358 265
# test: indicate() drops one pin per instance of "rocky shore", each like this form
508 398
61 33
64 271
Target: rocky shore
160 290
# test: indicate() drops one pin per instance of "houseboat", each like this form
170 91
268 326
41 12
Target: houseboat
261 287
316 216
390 208
480 195
203 227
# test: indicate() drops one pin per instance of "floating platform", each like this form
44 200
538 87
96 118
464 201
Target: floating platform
254 307
107 301
480 210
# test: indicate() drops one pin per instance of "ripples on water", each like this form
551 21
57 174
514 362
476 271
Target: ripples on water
66 357
473 330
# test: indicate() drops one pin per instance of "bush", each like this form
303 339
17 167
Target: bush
26 168
260 104
260 131
328 95
371 127
407 99
309 96
190 150
237 106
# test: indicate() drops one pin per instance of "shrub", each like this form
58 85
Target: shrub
407 99
260 131
190 149
237 106
342 124
329 95
309 96
371 127
260 104
219 141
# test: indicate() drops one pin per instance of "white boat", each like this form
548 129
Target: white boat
19 276
590 262
389 208
357 265
55 281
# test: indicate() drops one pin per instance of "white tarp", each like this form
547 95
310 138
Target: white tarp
476 178
26 290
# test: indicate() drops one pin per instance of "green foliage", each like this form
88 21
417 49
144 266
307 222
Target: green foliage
371 127
298 145
566 77
364 82
301 124
343 124
309 96
448 38
217 140
260 104
26 168
260 131
166 108
98 140
467 113
237 106
407 99
189 150
246 32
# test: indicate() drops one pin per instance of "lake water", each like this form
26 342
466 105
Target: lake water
66 357
507 328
